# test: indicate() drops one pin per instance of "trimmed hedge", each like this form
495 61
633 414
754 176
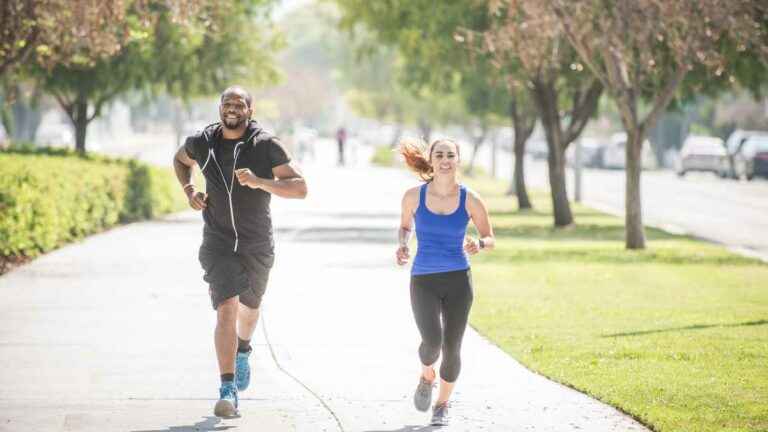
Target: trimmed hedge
48 199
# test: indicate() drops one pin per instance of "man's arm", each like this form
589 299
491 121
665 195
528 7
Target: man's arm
183 164
288 182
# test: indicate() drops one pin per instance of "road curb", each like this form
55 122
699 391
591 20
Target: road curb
677 230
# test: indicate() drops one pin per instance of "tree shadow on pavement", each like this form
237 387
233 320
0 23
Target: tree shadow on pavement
343 235
207 425
691 327
409 428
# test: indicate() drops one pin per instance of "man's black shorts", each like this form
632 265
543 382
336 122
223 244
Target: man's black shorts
243 273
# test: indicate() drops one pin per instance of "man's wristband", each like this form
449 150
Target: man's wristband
189 188
481 244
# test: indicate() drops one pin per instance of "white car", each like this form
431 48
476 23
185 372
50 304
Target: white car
733 165
537 148
613 154
701 153
590 152
55 135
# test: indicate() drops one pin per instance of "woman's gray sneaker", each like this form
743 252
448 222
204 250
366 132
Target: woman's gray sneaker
440 415
423 396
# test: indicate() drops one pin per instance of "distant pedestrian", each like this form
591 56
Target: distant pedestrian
341 140
441 282
243 166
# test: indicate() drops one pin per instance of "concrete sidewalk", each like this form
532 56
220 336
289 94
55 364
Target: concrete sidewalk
115 333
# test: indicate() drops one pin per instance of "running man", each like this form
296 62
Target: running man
441 282
243 167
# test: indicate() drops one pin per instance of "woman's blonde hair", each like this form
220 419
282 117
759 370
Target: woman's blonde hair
417 155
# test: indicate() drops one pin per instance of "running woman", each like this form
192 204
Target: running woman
441 282
243 167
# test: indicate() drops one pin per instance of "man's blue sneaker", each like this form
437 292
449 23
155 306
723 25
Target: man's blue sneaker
227 404
242 370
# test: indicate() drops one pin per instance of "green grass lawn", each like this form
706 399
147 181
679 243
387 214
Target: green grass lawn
384 156
675 335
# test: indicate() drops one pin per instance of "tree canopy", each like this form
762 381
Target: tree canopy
199 56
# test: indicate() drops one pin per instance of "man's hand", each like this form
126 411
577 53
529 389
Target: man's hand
196 199
247 178
403 255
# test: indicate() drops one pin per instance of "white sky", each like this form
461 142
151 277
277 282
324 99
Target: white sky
285 6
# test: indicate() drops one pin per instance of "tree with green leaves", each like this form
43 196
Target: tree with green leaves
485 103
427 34
50 31
529 45
197 57
642 51
524 117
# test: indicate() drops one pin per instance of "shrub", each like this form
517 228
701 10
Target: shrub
47 200
384 156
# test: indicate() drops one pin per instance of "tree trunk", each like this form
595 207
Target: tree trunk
426 130
635 234
523 201
523 126
6 116
398 133
179 116
546 100
26 115
80 121
560 204
476 144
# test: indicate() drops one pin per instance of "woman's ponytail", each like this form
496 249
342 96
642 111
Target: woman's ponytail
413 152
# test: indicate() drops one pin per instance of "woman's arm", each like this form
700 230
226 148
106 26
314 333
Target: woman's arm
478 212
408 207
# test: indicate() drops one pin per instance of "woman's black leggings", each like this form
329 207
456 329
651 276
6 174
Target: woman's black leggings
447 295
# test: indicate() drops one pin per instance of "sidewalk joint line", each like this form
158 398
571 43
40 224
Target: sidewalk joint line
282 369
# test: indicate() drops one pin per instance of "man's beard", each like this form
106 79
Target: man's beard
233 124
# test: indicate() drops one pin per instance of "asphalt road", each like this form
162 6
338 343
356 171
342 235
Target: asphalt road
734 213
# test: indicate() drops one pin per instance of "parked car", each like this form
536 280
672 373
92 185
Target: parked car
733 164
755 155
590 152
55 135
701 153
537 148
613 155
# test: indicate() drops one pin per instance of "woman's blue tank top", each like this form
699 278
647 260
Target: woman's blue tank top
440 237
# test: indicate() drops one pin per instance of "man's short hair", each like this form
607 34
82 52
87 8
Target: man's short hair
237 90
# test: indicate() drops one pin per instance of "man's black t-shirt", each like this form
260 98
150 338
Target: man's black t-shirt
225 155
234 211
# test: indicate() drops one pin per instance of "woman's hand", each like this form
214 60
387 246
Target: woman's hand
403 255
471 246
